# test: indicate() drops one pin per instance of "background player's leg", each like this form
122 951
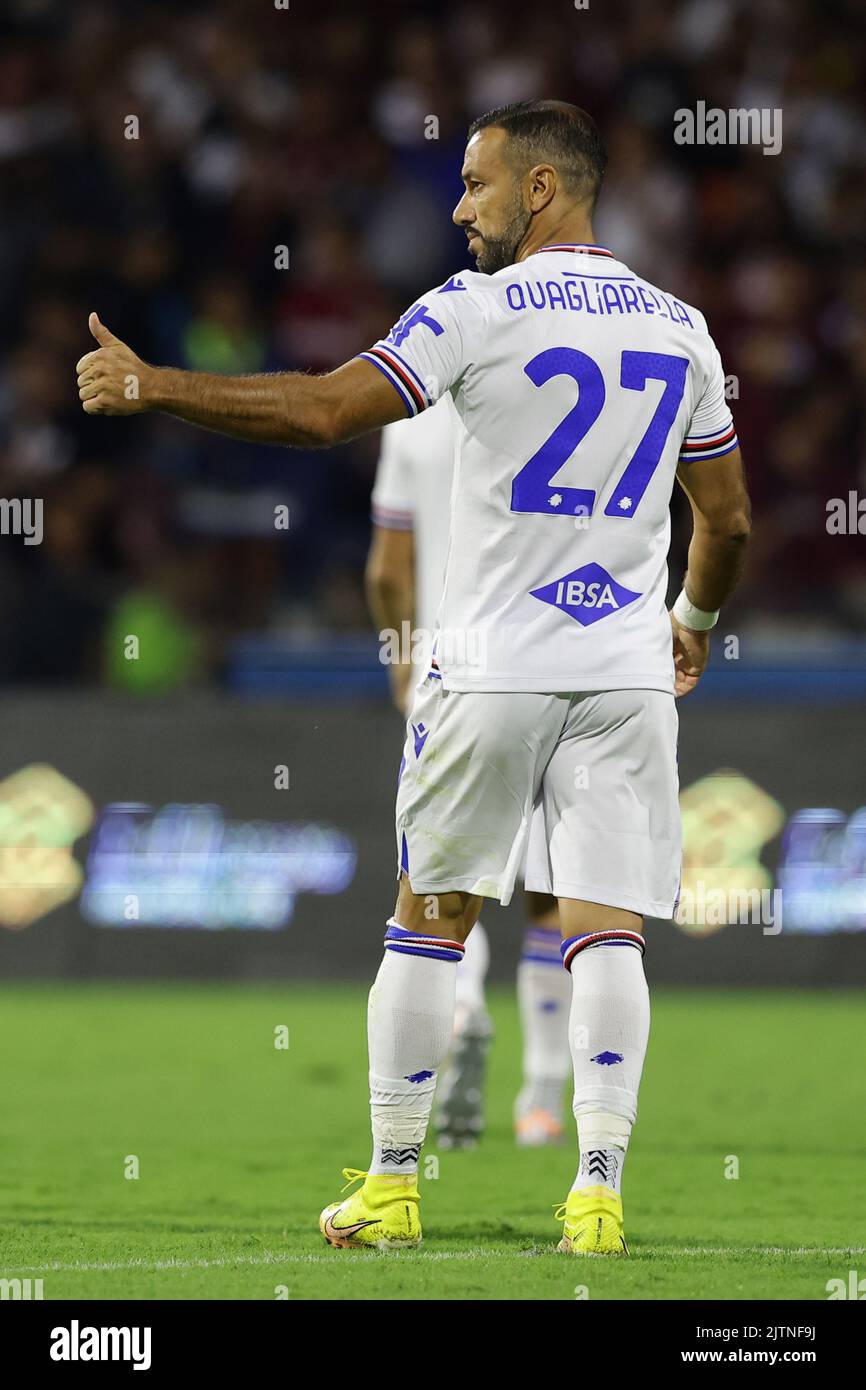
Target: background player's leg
472 971
459 1112
608 1033
544 1000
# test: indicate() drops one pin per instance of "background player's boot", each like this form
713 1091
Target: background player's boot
593 1223
381 1215
458 1117
534 1129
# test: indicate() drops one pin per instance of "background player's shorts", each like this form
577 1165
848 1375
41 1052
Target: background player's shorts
581 787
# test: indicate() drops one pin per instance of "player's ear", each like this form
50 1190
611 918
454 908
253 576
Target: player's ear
542 186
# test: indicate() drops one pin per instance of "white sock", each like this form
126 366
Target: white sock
608 1036
544 992
410 1018
471 975
603 1140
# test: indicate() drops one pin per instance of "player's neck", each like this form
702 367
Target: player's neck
567 231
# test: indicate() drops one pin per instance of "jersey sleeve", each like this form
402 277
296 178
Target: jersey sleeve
711 431
392 504
430 348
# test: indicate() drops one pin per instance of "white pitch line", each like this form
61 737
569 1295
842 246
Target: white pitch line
700 1252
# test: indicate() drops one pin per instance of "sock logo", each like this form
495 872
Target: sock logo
417 1077
599 1163
607 1059
401 1156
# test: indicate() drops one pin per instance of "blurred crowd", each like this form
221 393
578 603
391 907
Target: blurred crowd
240 186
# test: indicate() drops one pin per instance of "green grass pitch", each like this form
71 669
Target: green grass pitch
239 1144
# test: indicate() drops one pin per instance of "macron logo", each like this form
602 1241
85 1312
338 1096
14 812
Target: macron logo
77 1343
587 594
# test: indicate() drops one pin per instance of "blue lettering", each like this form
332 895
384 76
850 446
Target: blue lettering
555 295
572 293
411 319
659 304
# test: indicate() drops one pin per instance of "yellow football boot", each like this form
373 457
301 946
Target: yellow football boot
381 1215
593 1223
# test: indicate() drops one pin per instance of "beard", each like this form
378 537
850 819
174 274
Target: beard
498 252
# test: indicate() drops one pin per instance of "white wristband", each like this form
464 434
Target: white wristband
687 615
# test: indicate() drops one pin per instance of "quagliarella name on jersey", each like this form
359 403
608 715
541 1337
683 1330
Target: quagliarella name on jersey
595 297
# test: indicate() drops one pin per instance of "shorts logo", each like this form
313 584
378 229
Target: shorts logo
586 594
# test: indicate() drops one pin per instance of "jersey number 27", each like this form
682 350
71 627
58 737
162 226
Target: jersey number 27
533 490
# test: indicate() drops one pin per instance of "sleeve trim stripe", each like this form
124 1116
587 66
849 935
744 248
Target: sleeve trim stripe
710 451
411 408
696 442
713 434
392 520
385 351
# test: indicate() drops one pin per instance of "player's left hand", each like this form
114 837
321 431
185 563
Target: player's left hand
691 650
112 380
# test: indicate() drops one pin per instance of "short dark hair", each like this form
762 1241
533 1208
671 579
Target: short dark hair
552 132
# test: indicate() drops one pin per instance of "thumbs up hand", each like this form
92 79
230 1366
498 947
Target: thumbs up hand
112 380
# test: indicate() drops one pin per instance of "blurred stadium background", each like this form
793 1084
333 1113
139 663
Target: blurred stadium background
147 829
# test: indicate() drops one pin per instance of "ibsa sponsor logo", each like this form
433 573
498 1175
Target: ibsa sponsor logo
587 594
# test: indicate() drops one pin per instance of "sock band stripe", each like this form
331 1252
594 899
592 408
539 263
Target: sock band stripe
575 944
541 947
452 955
410 943
537 939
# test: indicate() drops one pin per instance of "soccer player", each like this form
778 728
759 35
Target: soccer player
548 709
405 574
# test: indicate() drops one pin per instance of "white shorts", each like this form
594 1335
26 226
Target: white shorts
583 788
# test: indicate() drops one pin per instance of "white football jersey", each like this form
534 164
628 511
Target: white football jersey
412 492
578 386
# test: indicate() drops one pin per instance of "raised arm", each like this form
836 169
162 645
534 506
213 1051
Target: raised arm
274 408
